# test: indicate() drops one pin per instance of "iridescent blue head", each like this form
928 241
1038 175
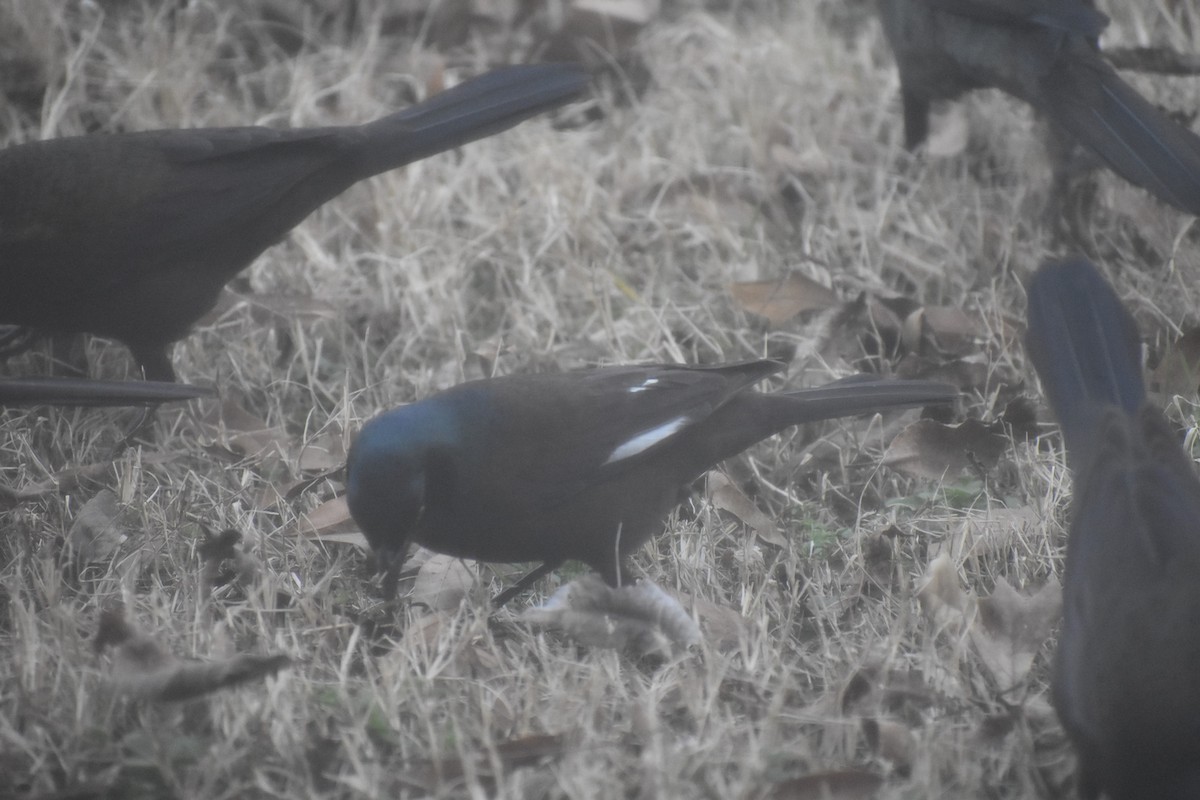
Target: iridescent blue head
387 470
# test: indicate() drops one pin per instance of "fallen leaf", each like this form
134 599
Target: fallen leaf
325 452
243 432
1011 628
331 518
641 618
140 667
727 496
780 300
949 131
442 582
594 27
67 479
96 531
721 626
929 449
945 330
942 596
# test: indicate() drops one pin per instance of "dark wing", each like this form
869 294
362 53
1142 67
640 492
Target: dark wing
567 431
98 210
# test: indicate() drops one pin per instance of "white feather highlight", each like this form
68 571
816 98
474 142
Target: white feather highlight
647 439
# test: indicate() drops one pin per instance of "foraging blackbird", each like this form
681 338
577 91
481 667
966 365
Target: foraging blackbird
580 465
1044 52
133 235
88 392
1125 675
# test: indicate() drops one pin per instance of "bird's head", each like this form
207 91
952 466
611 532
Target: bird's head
386 474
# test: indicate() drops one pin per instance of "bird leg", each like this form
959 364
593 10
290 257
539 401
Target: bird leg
524 583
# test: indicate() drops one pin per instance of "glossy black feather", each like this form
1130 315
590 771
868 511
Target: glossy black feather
1125 674
582 465
133 235
1045 53
87 392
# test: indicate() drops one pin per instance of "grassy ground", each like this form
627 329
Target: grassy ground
765 141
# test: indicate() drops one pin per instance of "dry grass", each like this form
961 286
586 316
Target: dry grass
607 241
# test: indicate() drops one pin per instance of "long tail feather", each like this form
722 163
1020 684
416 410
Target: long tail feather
1084 346
1136 140
865 394
472 110
87 392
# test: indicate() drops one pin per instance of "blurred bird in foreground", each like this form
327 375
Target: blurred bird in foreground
579 465
1046 53
133 235
1126 683
88 392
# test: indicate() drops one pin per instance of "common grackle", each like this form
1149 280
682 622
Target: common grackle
1046 53
88 392
1126 683
133 235
580 465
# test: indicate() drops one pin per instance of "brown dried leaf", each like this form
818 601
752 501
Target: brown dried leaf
331 521
942 596
243 432
949 132
442 582
641 618
926 330
952 322
949 329
1010 628
69 478
143 669
727 496
929 449
325 452
97 532
722 627
780 300
599 26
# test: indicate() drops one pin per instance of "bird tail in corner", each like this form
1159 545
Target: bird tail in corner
1136 140
475 108
1084 345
